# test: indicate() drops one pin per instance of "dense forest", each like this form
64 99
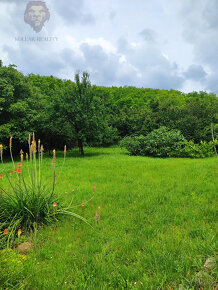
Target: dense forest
79 113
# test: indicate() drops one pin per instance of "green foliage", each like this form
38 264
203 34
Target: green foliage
76 113
12 267
133 144
201 150
161 142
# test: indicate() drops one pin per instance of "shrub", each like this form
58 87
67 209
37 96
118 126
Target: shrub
133 144
161 142
164 142
202 150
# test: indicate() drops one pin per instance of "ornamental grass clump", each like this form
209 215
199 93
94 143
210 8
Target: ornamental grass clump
28 201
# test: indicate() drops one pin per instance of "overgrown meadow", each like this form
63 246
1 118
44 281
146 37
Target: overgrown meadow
150 224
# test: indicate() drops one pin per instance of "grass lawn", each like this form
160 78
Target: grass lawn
157 225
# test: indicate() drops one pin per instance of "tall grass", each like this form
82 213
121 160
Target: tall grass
29 199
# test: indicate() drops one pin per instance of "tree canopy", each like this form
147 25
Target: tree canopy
79 113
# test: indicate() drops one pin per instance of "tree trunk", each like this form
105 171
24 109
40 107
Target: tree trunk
80 144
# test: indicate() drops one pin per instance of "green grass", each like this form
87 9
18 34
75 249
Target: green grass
157 224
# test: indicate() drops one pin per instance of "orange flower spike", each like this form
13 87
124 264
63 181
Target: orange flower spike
19 233
19 164
1 176
56 175
83 204
73 190
15 169
5 231
19 171
94 188
54 206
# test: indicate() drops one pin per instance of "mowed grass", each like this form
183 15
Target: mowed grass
156 231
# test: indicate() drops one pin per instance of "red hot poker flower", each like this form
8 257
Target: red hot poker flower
12 171
19 171
54 204
6 231
94 187
15 169
56 175
83 204
19 232
19 164
1 176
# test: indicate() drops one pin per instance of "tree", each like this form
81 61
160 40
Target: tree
83 112
15 112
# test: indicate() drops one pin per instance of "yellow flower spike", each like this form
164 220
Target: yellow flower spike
21 158
1 150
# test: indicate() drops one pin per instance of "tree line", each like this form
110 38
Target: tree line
78 113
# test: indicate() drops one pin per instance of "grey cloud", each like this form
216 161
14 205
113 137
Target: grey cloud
33 59
72 12
212 83
200 23
210 14
195 72
112 15
148 34
164 79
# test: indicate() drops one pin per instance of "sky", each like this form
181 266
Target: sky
164 44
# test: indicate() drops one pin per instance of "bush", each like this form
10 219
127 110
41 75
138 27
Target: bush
164 142
133 144
202 150
161 142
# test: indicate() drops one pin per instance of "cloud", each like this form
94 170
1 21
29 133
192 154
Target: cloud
195 72
73 12
200 29
148 34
